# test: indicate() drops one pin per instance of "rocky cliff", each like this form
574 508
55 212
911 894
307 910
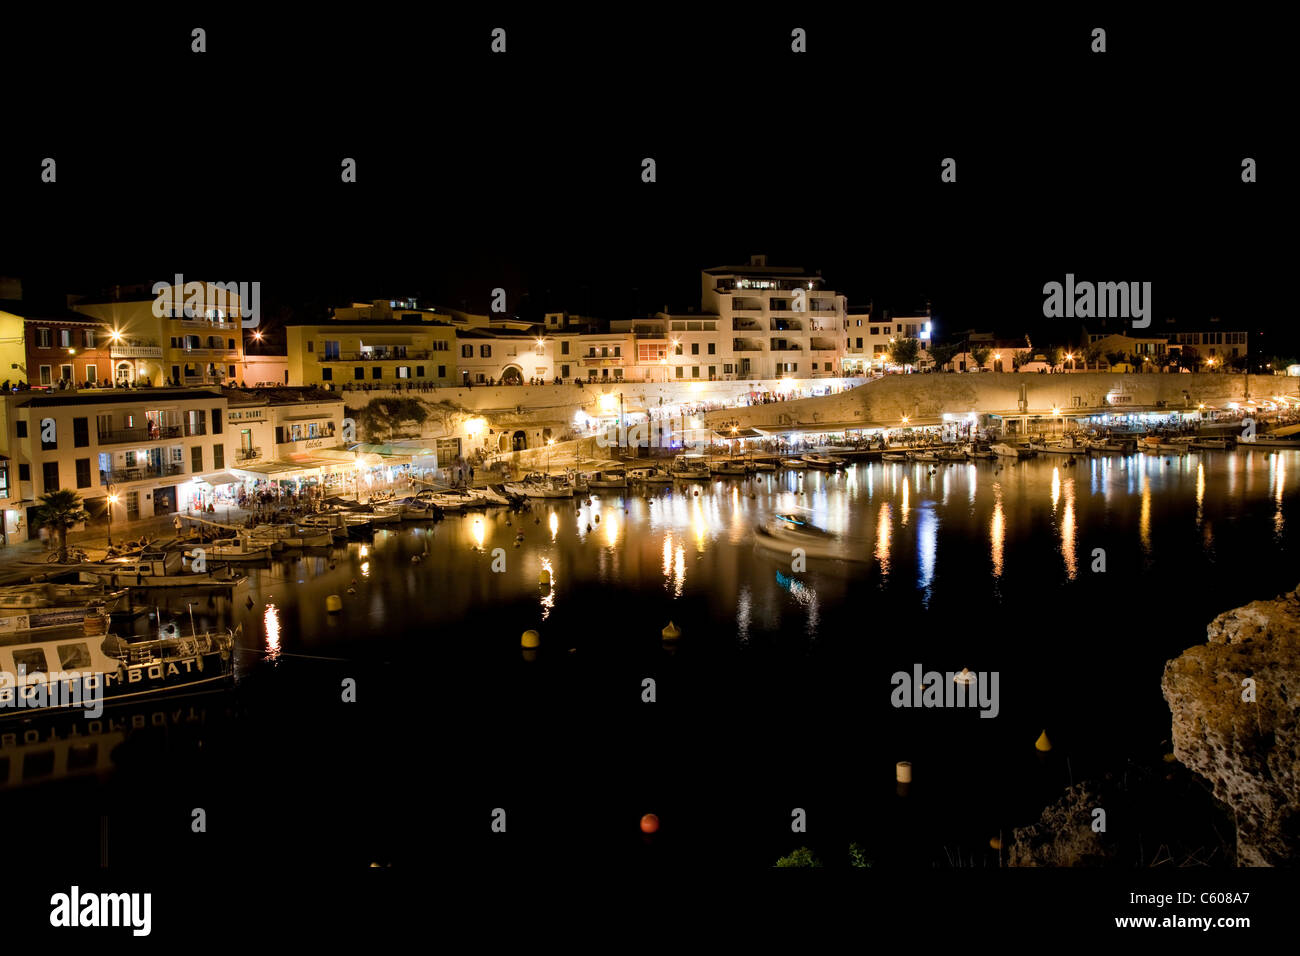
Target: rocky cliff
1235 701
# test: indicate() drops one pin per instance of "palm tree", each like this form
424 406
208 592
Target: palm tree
59 511
980 354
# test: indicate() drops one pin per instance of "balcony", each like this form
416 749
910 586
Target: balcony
382 356
142 473
745 325
740 345
601 361
137 435
787 348
135 351
248 454
785 325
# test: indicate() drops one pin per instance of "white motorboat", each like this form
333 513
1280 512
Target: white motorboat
893 456
236 548
50 607
159 569
798 463
765 465
923 454
785 532
727 468
1004 450
292 536
541 487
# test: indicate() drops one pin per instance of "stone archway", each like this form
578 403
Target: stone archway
519 440
512 375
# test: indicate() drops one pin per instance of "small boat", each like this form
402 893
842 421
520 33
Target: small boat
61 674
53 607
541 486
765 465
1069 445
416 508
331 521
1096 448
649 476
794 463
893 456
689 467
159 569
1004 450
823 462
924 454
236 548
292 536
785 532
727 468
613 478
1212 444
952 454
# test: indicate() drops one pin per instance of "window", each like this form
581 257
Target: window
377 372
50 476
618 351
196 459
74 656
90 338
65 338
31 660
230 344
22 428
65 373
218 456
358 373
438 346
45 375
24 472
53 443
42 338
679 348
564 347
618 373
695 348
859 343
403 371
726 369
467 351
485 351
327 374
442 371
230 370
679 372
83 472
132 505
713 348
92 373
564 371
81 433
695 371
875 330
216 421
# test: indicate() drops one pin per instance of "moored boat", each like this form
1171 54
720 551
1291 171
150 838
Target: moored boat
649 476
784 532
611 478
823 462
689 467
1005 450
159 569
727 468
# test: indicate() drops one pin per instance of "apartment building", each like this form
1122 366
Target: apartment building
782 321
382 352
152 341
504 356
287 434
869 339
152 448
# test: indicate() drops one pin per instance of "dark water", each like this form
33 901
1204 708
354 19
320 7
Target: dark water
778 695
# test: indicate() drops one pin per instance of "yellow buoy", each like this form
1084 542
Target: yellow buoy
671 632
995 843
903 771
531 639
544 579
333 604
1043 743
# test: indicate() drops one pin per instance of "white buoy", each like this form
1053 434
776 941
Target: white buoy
903 771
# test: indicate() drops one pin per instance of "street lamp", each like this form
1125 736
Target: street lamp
549 443
1070 358
112 500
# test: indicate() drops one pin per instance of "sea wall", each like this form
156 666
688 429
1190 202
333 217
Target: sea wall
1235 702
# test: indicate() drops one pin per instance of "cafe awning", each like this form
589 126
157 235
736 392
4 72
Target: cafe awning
218 478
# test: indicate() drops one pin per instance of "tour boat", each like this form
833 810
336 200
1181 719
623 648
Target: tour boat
727 468
1003 450
784 532
823 462
689 467
44 675
159 569
614 478
649 476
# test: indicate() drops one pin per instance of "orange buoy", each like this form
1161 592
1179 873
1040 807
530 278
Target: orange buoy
649 823
1043 745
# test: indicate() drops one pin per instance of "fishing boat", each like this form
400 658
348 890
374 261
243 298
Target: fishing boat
689 467
541 486
159 569
923 454
1069 445
952 454
823 462
727 468
51 607
765 465
292 536
798 463
1212 444
649 476
1004 450
237 548
785 532
893 456
48 674
612 478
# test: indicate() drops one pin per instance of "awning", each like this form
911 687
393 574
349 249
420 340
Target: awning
219 478
276 471
729 435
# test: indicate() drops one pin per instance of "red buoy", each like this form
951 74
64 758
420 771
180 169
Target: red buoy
649 823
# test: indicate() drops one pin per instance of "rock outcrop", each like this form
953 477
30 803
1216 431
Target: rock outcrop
1242 737
1064 835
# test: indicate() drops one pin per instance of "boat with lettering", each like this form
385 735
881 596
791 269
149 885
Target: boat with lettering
43 674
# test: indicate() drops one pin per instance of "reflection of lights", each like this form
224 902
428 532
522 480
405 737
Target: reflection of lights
555 525
365 551
1067 532
365 569
1056 486
611 529
679 571
478 531
271 621
997 531
907 482
668 556
1144 521
1200 491
548 599
882 539
927 537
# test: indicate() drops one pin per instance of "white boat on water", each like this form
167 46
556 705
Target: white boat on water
823 462
236 548
491 496
541 487
292 536
727 468
893 456
923 454
649 476
1069 445
416 508
612 478
1003 450
690 467
766 465
1212 444
159 569
784 532
798 463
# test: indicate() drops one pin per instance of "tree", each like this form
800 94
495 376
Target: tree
800 857
60 511
380 420
943 354
980 355
1114 358
905 351
1021 358
1189 358
1092 355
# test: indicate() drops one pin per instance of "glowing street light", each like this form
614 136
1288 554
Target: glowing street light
112 500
